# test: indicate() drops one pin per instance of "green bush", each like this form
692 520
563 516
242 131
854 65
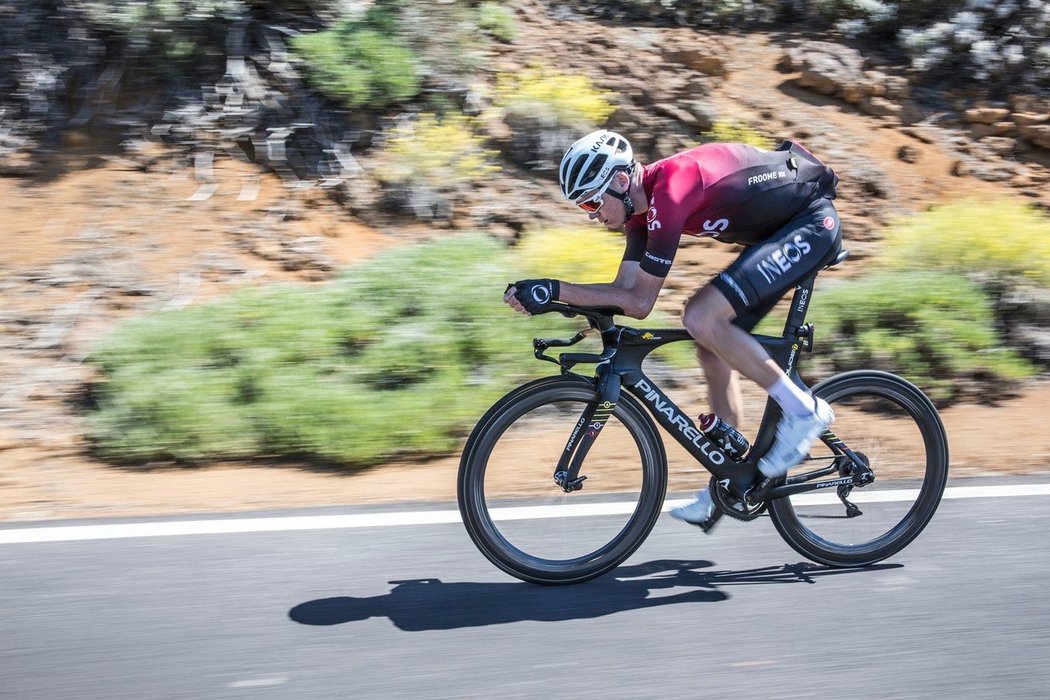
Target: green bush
934 328
1004 239
497 21
167 34
361 63
398 357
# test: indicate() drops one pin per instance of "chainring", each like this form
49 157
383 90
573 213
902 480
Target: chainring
731 506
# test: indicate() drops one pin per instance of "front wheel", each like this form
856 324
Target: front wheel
894 429
525 523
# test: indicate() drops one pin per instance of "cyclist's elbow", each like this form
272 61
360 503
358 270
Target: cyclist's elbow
639 308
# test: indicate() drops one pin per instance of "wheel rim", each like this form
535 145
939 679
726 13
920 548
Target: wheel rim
886 426
530 523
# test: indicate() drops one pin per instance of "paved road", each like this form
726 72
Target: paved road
416 612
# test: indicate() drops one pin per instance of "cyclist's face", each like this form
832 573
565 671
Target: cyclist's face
612 212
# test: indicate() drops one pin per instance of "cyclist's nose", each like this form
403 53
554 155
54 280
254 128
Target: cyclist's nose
593 215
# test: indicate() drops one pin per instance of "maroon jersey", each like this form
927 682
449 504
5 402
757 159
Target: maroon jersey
729 191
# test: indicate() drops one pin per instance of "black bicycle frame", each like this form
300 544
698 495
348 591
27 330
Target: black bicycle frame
619 368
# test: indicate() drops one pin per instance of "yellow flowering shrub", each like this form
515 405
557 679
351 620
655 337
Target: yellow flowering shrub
581 254
543 92
434 151
731 132
1005 238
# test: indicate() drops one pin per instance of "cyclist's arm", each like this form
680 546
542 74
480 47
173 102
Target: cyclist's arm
634 290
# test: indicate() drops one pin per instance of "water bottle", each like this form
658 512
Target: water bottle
726 436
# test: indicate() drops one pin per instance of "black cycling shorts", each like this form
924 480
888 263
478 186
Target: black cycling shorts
764 272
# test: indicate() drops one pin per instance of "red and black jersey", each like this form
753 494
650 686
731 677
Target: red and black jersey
729 191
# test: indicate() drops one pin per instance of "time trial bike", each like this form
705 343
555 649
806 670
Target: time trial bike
564 447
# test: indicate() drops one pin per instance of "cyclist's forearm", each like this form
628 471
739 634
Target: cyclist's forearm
605 295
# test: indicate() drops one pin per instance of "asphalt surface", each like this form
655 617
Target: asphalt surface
416 612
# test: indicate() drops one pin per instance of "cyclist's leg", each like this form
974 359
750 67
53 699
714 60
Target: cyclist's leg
722 314
723 386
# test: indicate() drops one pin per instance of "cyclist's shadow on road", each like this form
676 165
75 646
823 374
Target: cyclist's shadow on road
430 604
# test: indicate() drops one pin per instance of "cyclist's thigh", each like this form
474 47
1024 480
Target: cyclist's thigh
766 271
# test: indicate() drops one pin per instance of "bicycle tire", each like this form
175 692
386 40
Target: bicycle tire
915 415
480 501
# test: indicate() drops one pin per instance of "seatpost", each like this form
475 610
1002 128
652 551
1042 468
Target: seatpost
799 306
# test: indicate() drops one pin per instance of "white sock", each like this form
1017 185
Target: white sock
793 399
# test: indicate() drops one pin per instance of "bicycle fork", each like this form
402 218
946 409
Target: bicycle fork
588 427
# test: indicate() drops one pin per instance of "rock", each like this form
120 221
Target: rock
897 88
909 154
786 64
628 120
870 179
993 172
1037 134
881 107
959 168
854 93
1001 144
697 60
677 113
986 115
875 84
981 131
911 113
1029 118
831 69
818 81
704 114
20 164
1029 103
1032 342
918 133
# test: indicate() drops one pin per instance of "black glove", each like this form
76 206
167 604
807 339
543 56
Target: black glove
536 295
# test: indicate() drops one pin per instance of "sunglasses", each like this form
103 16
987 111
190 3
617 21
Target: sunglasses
593 204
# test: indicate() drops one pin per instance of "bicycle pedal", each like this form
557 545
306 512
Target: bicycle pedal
710 522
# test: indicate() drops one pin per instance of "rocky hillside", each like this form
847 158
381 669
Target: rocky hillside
116 203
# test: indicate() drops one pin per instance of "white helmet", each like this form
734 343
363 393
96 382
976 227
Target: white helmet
590 163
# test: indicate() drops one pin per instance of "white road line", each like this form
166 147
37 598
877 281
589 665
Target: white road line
68 533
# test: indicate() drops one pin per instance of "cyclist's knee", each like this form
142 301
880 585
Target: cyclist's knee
706 329
707 315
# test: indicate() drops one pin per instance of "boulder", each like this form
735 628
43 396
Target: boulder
1002 145
698 60
1037 134
704 114
1029 118
981 131
881 107
897 87
830 69
1029 103
911 113
677 113
986 115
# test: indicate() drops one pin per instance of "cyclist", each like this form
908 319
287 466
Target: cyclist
776 203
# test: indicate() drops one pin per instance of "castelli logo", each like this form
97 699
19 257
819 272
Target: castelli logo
829 222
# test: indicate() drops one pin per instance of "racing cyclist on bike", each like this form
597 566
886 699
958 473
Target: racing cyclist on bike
776 203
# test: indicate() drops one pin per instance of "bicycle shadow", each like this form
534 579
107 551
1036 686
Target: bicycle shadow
429 604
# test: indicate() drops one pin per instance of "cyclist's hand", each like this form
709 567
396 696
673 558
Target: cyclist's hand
533 296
